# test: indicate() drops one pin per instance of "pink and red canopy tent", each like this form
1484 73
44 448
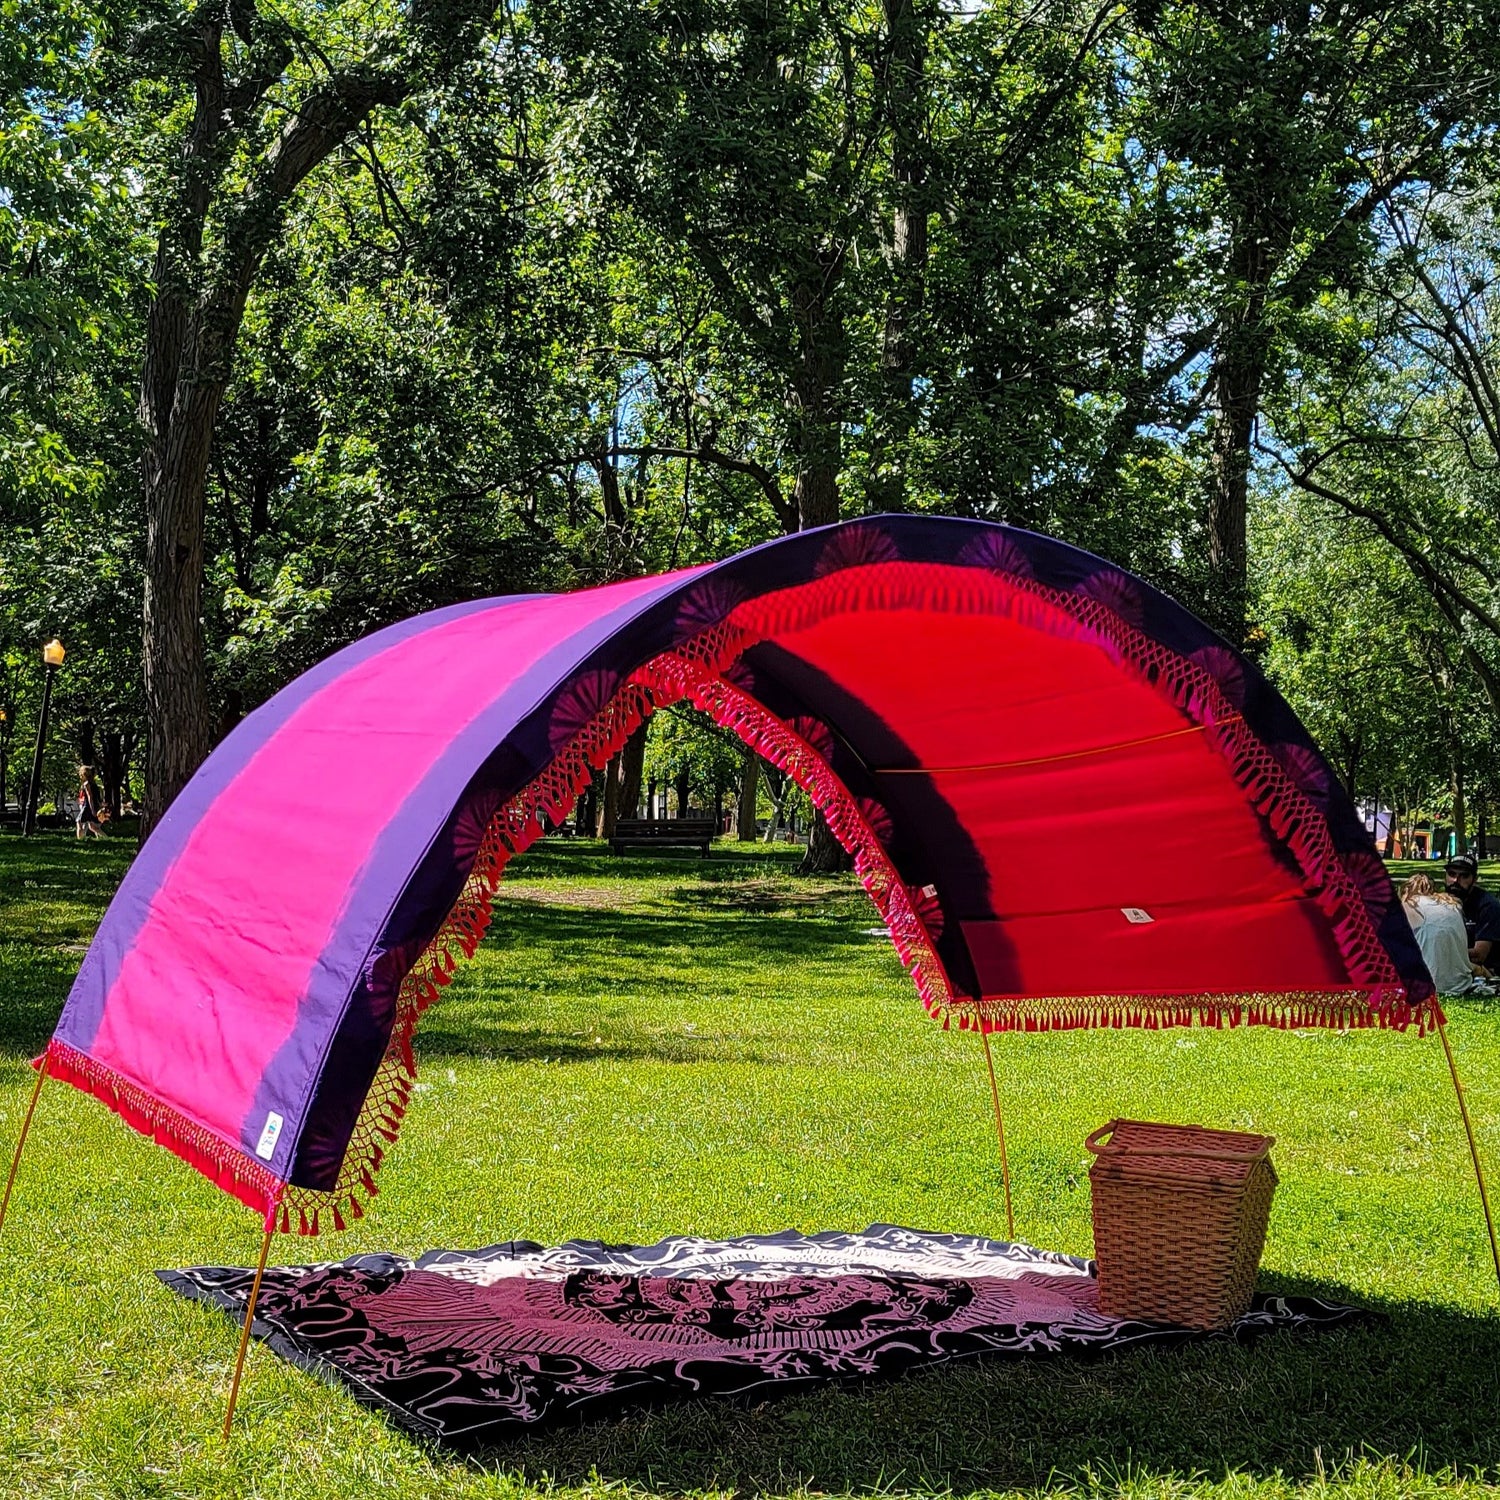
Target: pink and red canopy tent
1072 803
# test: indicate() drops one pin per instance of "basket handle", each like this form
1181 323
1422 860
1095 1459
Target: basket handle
1095 1143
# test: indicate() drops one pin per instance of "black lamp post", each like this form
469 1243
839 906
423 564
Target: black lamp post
52 654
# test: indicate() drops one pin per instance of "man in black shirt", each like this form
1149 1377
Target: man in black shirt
1481 910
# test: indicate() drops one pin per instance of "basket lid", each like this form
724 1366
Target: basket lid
1146 1148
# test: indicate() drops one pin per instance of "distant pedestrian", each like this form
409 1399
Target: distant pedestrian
1481 910
90 802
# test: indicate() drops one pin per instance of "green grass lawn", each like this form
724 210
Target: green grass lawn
1489 871
653 1046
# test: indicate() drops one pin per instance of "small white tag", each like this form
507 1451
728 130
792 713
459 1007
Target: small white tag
930 891
1135 914
269 1136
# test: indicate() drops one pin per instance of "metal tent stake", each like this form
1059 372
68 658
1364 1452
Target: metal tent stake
1010 1218
239 1359
15 1161
1463 1109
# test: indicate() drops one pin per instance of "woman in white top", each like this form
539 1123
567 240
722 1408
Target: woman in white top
1438 922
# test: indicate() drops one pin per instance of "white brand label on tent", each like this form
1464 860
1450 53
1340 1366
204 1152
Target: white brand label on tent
930 891
1135 914
269 1136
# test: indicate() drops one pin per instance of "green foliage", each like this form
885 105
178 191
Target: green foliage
1387 429
71 241
603 293
687 751
1346 628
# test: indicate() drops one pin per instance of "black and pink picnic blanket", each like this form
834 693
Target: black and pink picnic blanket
475 1346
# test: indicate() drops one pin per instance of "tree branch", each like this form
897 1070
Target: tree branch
1438 584
786 511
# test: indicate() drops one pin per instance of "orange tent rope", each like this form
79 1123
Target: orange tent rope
1042 760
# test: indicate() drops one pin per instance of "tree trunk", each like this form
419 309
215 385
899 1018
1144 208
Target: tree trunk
183 374
230 713
745 827
817 392
817 488
817 497
192 326
1460 807
908 255
179 721
1242 351
84 741
825 855
609 803
632 770
1236 395
778 786
609 489
684 788
1353 747
115 748
1236 384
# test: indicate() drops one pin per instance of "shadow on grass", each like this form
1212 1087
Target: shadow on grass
620 955
497 1042
590 859
34 982
53 890
1419 1388
641 934
615 953
56 889
626 951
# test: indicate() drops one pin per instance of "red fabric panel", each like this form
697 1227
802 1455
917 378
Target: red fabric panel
1085 791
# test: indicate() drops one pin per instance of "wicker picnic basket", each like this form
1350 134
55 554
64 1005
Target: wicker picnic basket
1180 1217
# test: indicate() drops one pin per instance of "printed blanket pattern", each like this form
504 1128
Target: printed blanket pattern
473 1347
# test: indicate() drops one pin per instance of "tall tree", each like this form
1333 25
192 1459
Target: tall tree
71 250
1392 420
1297 124
262 103
745 135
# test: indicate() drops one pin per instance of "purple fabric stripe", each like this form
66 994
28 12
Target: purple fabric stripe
132 901
289 1083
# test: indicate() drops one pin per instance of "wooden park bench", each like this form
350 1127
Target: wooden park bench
663 833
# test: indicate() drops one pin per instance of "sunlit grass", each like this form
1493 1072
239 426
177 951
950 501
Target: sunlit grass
645 1047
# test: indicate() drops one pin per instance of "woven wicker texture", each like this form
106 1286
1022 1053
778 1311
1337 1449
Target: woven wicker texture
1180 1215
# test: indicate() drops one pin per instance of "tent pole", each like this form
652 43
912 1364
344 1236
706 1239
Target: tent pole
15 1161
239 1359
1010 1218
1463 1109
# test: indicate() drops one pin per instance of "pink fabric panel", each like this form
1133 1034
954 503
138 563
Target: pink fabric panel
211 988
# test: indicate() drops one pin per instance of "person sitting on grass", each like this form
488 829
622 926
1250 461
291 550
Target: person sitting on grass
1438 923
1481 910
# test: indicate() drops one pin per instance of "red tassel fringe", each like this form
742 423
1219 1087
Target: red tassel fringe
694 670
223 1163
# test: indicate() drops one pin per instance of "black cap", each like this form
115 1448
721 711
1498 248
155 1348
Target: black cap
1462 864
